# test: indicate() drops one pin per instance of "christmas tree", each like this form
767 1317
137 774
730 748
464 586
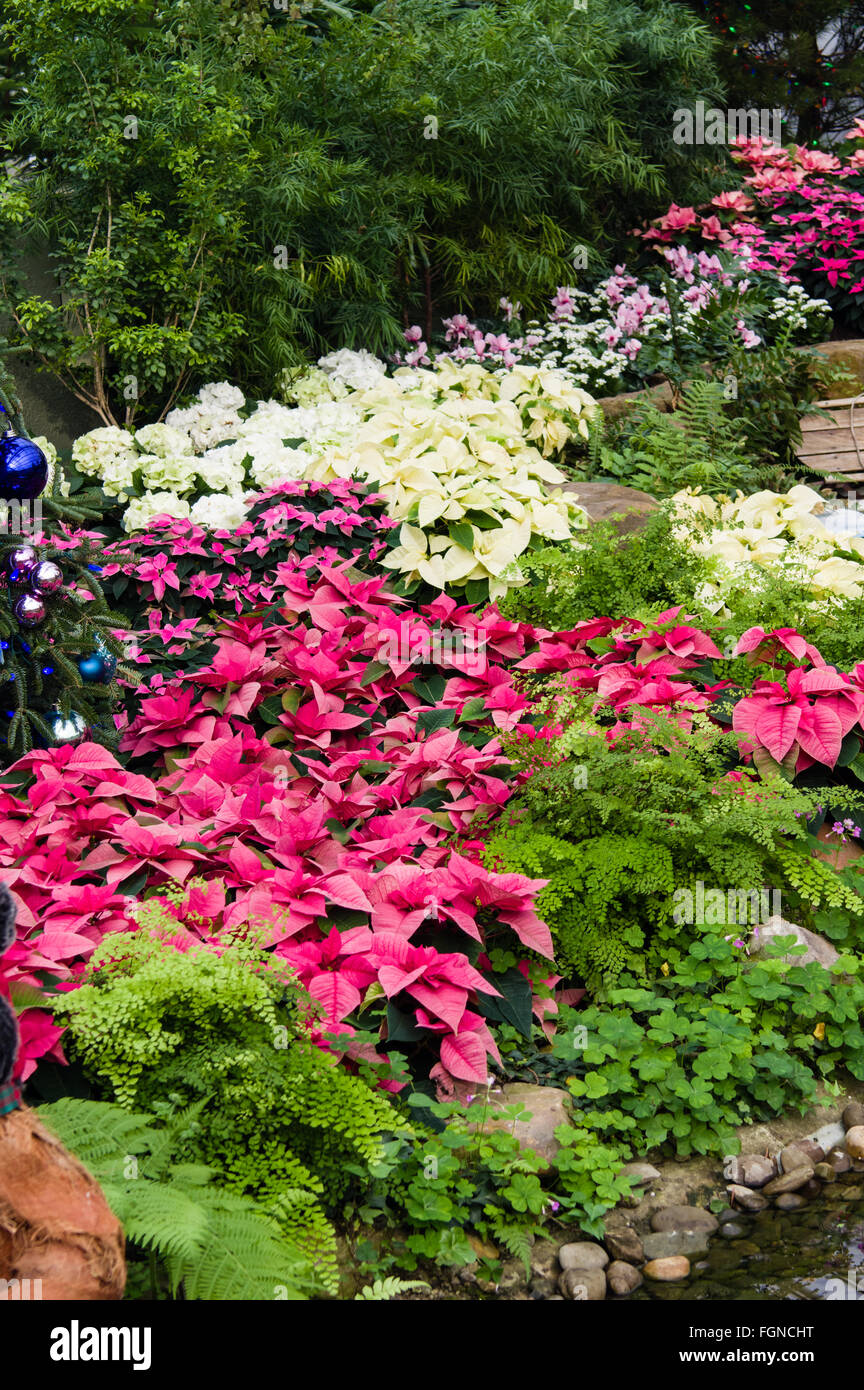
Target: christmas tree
804 57
59 657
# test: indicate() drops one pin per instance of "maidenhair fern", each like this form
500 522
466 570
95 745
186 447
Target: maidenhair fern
161 1014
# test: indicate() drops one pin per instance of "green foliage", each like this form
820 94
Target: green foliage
163 1016
228 188
696 445
471 1175
203 1240
633 575
681 1060
619 830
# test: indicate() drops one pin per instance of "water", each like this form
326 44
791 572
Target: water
816 1253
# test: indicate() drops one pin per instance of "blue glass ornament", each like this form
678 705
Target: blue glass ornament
92 668
23 468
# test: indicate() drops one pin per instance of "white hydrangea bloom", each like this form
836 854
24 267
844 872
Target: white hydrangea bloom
357 370
218 512
109 445
163 440
141 510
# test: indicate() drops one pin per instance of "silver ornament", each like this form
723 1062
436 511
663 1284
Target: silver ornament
70 730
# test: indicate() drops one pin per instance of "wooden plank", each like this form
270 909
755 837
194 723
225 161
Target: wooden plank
831 441
839 463
812 424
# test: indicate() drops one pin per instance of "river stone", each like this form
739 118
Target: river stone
790 1201
625 1245
829 1136
613 407
665 1270
643 1174
853 1115
746 1198
622 1278
749 1170
583 1285
684 1219
840 1160
582 1254
855 1141
733 1230
790 1182
794 1156
826 1172
659 1244
548 1107
818 949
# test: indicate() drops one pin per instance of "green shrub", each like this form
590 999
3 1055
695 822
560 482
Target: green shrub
227 189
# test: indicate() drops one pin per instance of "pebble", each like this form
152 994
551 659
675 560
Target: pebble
855 1141
544 1259
582 1254
853 1115
622 1278
659 1244
733 1230
794 1156
808 1147
840 1160
749 1170
826 1172
790 1181
684 1219
642 1173
625 1245
790 1201
670 1268
583 1285
747 1199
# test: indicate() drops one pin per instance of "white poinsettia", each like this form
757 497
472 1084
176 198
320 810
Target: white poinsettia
745 537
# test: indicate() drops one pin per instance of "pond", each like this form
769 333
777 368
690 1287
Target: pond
814 1253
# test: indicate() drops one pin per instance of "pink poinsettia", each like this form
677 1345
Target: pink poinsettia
807 719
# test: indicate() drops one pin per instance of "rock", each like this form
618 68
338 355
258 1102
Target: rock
542 1288
582 1254
726 1215
622 1278
843 352
666 1270
626 506
483 1249
544 1259
795 1156
813 1188
614 407
790 1201
746 1198
684 1219
625 1245
643 1174
853 1115
826 1172
829 1136
583 1285
512 1274
818 949
790 1182
840 1160
855 1141
548 1107
734 1230
749 1170
658 1244
556 1298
